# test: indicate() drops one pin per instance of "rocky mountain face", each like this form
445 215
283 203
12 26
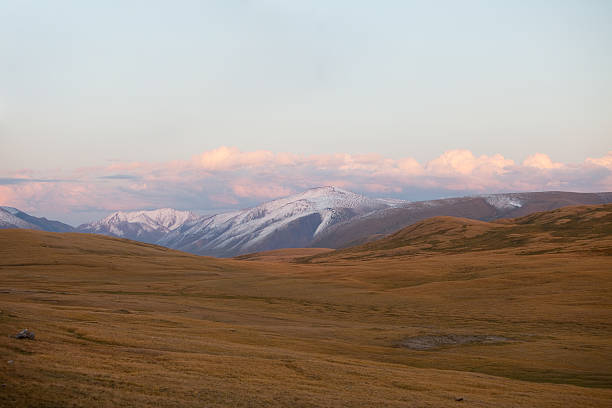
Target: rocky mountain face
146 226
13 218
289 222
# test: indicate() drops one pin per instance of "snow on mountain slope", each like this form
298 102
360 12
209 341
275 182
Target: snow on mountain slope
297 219
147 226
11 217
10 210
163 217
504 201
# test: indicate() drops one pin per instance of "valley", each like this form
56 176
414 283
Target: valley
448 311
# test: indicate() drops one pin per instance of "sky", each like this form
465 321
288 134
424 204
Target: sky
212 105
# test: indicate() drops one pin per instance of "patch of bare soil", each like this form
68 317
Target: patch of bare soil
429 342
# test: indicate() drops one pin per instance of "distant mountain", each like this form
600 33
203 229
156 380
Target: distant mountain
146 226
324 217
290 222
485 208
13 218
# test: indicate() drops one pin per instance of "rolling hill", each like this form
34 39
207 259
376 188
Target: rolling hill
585 229
485 208
439 314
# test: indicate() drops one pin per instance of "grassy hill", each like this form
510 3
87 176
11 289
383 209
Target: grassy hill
585 229
507 314
374 226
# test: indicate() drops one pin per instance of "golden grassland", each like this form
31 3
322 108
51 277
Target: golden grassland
120 323
283 255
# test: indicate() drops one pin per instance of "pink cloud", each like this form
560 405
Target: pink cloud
605 161
217 179
8 195
227 158
409 166
381 188
463 162
541 161
226 199
245 188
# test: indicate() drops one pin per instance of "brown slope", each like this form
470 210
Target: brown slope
574 228
377 225
119 323
283 255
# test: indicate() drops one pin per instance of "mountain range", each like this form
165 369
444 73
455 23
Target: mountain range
484 208
146 226
326 217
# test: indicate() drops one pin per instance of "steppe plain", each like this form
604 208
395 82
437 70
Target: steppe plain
447 312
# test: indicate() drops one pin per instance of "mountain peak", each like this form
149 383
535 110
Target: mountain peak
290 221
330 189
320 198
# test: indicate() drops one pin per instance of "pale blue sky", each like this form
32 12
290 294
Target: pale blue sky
85 82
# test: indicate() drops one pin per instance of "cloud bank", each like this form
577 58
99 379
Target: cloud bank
227 177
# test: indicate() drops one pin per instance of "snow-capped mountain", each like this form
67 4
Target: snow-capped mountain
146 226
326 217
293 221
11 217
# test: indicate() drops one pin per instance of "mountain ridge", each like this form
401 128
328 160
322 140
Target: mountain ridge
566 229
145 225
11 217
291 221
321 217
483 207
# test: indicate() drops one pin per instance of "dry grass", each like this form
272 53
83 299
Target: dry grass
283 255
120 323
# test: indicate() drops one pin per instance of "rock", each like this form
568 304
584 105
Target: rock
25 334
459 399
